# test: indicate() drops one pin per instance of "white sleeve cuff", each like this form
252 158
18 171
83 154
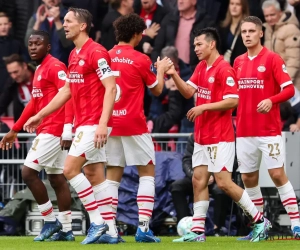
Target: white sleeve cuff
285 84
192 84
67 132
152 85
230 96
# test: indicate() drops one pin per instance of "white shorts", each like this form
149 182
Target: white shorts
218 157
45 153
252 151
135 150
83 145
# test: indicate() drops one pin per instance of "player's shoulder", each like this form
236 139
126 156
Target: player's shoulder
241 58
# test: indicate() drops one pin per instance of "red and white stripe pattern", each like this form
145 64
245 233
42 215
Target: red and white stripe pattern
115 207
259 203
145 204
104 206
47 211
198 224
88 199
258 216
291 207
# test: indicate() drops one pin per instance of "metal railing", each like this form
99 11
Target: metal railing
11 161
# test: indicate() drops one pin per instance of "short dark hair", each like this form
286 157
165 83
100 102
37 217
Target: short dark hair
3 14
127 26
115 4
253 19
41 33
13 58
83 16
210 33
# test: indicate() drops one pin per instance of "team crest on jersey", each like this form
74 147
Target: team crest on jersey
118 51
211 79
81 62
62 75
261 68
284 68
230 81
39 77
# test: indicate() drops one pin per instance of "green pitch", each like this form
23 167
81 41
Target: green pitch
222 243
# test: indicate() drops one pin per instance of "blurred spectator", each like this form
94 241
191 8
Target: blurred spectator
296 5
183 188
215 8
18 87
49 17
295 103
153 14
230 31
170 107
255 9
169 5
98 9
119 8
282 35
8 46
176 30
17 90
287 116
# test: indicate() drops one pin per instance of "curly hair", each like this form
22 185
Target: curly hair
127 26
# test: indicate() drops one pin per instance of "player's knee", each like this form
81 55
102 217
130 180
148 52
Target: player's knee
249 179
277 175
29 175
199 182
68 173
222 184
56 180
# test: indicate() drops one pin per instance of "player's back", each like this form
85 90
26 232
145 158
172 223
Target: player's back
132 69
49 77
257 81
87 68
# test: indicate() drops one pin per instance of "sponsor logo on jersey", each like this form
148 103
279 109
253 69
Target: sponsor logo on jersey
81 62
261 68
102 62
251 83
204 93
284 68
62 75
121 112
211 79
122 60
74 77
36 92
230 81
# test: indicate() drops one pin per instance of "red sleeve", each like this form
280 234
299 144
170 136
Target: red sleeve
28 111
229 83
146 70
58 74
100 61
287 93
280 73
193 81
69 112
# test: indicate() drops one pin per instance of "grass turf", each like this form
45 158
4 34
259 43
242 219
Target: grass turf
223 243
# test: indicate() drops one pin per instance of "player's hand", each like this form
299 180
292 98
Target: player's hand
65 144
41 13
264 106
164 64
194 112
32 123
8 140
101 136
294 128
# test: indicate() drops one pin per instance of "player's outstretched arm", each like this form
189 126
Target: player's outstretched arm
57 102
108 104
185 89
228 103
